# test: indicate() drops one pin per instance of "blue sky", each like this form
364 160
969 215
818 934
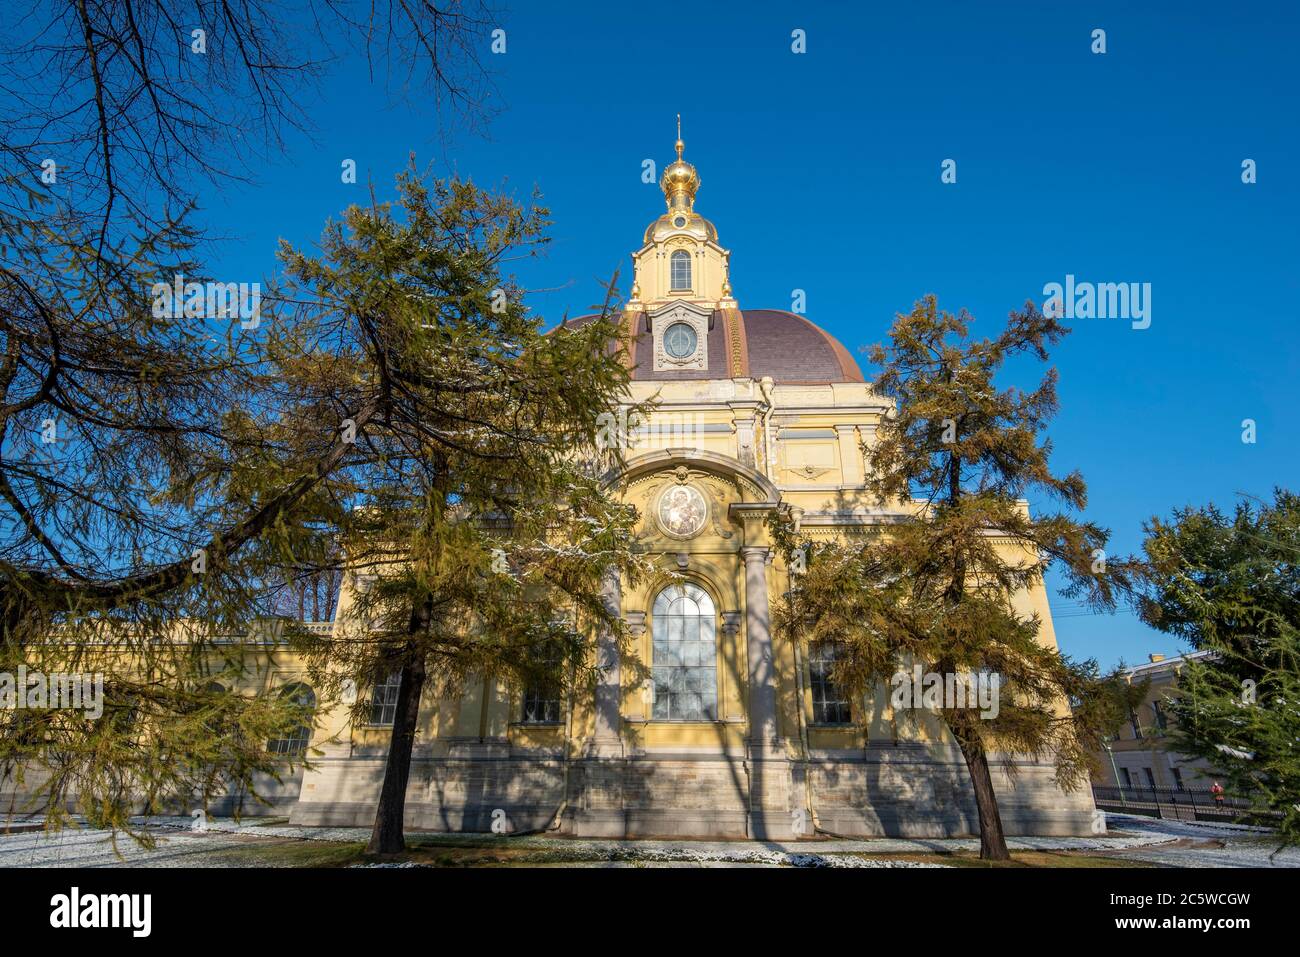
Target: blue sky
822 173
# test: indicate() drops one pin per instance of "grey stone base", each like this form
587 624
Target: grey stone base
884 792
905 792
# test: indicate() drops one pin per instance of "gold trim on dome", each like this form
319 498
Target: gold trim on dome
739 364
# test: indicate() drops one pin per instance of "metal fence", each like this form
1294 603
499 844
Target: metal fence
1179 804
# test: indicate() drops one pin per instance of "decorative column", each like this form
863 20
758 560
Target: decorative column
607 739
758 638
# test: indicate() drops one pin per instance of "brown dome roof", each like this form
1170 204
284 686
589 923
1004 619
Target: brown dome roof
772 342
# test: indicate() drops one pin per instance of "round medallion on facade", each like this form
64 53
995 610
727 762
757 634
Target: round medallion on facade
682 511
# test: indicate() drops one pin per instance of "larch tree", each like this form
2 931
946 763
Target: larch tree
938 589
141 481
477 515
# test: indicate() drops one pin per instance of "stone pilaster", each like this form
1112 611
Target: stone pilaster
607 738
758 647
746 423
639 707
768 767
851 460
597 784
730 629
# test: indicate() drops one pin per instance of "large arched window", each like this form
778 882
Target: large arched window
681 267
294 743
684 659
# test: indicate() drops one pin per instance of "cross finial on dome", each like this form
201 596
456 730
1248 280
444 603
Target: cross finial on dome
680 181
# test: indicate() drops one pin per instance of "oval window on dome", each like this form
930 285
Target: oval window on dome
680 340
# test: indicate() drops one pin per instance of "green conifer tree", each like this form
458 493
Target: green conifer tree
1229 584
473 476
957 456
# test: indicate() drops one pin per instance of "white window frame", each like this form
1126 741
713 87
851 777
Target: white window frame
387 686
680 256
684 669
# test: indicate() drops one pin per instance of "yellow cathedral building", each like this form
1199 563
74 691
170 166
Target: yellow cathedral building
712 725
735 732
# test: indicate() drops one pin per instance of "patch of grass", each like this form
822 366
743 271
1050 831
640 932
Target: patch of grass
287 853
494 854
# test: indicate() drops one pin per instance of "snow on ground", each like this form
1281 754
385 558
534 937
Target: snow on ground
86 848
1200 844
1171 843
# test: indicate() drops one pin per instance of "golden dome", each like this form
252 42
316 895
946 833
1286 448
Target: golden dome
679 223
680 180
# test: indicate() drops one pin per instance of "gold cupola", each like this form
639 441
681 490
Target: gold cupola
680 180
680 257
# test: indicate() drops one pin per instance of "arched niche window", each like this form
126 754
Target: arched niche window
684 657
294 743
681 269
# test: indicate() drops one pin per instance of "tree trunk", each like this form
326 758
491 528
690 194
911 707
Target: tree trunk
993 841
387 836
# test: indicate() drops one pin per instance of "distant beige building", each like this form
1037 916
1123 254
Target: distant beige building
1140 756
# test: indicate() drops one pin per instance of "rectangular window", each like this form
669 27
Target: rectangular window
542 696
1151 778
1127 778
681 267
383 702
1178 778
1137 728
830 703
1162 719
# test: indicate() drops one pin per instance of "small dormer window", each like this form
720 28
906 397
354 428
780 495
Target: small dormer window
680 330
681 270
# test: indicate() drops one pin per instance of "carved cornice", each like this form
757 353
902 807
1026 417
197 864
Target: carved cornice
755 487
